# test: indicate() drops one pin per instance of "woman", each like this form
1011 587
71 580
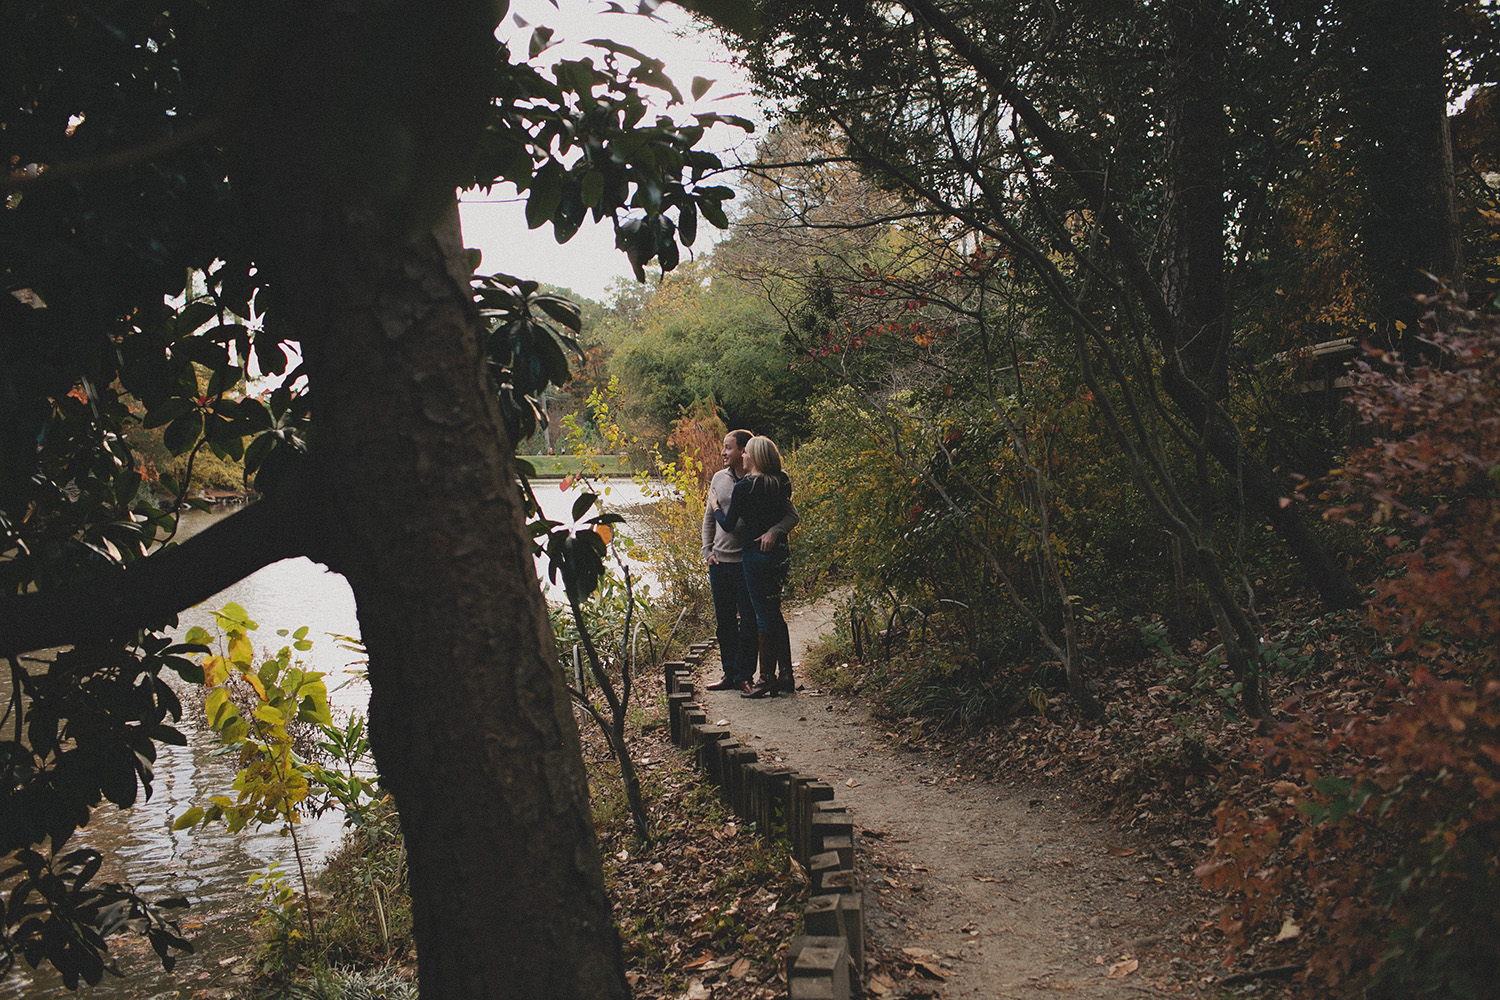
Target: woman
759 501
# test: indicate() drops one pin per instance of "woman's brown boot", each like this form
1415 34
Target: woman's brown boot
766 651
785 681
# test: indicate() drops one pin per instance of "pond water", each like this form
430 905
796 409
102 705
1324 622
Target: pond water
210 866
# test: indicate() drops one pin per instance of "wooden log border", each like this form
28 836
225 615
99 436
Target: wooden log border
827 962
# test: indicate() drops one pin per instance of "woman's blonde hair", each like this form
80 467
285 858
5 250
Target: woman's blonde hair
764 455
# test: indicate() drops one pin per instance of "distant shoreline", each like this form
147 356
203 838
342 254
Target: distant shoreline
562 466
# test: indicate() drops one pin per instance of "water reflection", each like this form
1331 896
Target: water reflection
210 866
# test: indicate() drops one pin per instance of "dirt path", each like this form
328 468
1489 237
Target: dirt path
1003 892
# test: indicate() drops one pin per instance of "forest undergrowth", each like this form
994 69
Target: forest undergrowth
706 903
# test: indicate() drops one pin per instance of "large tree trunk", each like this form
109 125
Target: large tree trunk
1195 250
469 718
1193 230
1399 104
418 504
416 497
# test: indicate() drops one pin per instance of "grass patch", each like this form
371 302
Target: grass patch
558 466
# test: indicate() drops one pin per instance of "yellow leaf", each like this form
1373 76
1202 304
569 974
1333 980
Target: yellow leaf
215 705
240 650
255 682
215 671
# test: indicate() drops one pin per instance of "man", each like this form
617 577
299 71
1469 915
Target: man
734 616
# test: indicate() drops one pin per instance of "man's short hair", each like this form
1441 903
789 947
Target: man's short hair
742 437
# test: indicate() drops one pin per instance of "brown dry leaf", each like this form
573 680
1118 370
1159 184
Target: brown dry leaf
851 783
1123 968
881 985
1118 851
740 969
931 970
697 991
919 952
698 962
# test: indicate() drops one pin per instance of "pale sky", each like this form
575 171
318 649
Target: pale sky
495 223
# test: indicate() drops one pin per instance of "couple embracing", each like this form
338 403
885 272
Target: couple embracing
745 524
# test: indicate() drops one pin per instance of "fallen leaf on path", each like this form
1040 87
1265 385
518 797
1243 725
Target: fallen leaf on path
919 952
697 991
929 969
1118 851
698 962
851 783
1289 930
1123 968
881 985
877 834
740 969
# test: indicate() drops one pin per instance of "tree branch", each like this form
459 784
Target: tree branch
122 159
1090 180
159 586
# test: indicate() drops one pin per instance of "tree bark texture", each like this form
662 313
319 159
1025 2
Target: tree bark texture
469 716
1193 231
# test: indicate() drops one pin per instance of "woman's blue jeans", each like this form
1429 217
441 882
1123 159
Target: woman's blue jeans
765 578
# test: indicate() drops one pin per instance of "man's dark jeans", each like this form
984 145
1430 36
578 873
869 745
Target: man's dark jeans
734 617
